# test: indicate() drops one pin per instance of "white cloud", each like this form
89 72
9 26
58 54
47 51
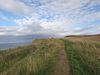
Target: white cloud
94 3
51 16
15 6
4 17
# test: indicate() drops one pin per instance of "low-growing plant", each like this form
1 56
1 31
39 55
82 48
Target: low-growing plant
84 56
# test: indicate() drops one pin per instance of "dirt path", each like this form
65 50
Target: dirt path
63 66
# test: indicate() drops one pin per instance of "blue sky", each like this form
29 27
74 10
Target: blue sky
56 17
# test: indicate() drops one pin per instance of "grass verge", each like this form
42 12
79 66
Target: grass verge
38 58
84 58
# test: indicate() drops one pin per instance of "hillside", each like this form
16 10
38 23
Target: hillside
53 56
41 57
95 35
83 55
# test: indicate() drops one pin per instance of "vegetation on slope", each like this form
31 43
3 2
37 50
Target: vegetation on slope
38 58
83 55
43 57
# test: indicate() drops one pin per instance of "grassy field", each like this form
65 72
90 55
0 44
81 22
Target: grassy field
84 55
38 58
45 57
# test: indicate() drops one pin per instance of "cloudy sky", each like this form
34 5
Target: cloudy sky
51 17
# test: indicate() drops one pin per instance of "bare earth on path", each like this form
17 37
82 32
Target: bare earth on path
63 65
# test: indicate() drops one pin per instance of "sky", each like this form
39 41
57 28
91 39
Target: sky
49 17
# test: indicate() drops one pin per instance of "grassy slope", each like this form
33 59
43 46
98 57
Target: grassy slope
38 58
41 57
84 55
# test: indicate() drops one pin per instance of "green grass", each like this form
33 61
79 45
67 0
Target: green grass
38 58
84 57
41 57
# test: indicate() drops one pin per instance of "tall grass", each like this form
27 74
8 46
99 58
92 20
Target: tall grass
41 57
84 57
38 58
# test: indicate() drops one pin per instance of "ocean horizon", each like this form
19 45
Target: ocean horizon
4 46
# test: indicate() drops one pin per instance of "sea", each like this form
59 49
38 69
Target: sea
11 42
12 45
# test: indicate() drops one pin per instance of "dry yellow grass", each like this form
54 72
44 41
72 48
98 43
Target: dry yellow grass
87 50
38 58
44 57
91 38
